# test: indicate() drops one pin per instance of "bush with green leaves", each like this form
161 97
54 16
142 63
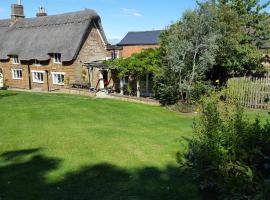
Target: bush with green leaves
230 155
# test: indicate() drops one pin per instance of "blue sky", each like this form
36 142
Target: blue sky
118 16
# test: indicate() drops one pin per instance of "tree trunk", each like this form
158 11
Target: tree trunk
147 84
138 88
121 86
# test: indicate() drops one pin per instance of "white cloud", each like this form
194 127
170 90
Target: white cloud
1 10
131 12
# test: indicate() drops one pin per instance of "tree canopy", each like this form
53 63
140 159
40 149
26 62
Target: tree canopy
188 50
218 37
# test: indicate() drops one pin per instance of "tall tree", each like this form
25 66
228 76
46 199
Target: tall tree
189 49
244 26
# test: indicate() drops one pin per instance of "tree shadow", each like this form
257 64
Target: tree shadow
26 179
4 95
12 155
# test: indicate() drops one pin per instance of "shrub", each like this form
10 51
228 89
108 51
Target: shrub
201 89
183 107
128 89
229 154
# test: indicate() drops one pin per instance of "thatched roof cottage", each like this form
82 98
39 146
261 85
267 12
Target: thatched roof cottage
50 52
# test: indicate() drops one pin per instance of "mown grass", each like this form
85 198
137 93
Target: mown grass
71 147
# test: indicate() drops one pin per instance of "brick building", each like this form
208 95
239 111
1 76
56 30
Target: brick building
51 52
135 42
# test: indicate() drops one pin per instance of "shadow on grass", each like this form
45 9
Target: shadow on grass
3 95
13 155
27 180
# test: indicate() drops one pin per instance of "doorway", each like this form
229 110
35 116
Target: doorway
105 78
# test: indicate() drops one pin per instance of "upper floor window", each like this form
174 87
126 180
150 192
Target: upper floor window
17 74
15 59
57 58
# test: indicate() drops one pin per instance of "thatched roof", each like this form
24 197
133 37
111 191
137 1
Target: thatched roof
36 38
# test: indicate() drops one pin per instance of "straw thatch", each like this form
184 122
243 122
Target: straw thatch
36 38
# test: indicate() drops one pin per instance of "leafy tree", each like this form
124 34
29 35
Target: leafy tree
244 26
188 50
219 37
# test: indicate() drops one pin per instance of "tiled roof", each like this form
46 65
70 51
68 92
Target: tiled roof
141 38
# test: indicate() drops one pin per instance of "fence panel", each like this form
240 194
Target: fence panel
251 92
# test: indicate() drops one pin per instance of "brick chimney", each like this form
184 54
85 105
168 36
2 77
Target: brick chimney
41 12
17 11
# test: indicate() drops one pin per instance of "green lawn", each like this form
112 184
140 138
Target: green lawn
70 147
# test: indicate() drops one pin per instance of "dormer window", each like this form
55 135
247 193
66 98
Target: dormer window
15 59
57 58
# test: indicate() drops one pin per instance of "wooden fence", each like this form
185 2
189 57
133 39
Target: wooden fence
251 92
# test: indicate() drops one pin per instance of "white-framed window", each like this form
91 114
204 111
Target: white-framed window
15 59
57 58
58 78
115 54
37 63
16 74
38 76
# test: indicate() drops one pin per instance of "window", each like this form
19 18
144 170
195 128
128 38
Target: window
17 74
57 58
38 76
15 59
115 54
58 78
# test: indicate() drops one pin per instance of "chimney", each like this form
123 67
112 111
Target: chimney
17 11
41 12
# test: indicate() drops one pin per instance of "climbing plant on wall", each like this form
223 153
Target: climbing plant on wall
147 61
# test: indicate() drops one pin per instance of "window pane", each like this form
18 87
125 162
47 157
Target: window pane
62 78
17 73
57 57
58 78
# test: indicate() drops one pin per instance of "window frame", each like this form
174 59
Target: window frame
15 60
54 80
14 77
55 58
34 80
115 54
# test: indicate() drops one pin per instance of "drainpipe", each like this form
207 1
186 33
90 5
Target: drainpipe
29 77
48 84
89 78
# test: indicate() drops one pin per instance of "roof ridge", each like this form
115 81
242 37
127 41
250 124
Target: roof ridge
55 15
144 31
66 13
